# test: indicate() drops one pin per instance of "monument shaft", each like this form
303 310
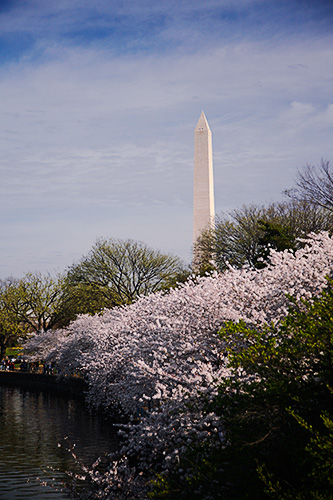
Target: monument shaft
203 182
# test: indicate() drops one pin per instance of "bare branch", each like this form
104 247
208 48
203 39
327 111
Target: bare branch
314 185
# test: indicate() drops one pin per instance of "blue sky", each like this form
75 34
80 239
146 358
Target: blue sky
99 101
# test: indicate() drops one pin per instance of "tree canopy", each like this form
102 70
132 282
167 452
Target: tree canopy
243 235
117 272
42 306
200 414
11 326
114 273
33 304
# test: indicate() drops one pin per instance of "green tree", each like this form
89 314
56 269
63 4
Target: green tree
279 416
11 326
273 236
239 236
34 303
42 305
116 272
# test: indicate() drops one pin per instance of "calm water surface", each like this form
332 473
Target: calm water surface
31 426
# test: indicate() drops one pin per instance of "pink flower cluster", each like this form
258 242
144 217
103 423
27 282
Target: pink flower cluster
155 359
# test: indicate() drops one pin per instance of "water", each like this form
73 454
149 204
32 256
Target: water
31 426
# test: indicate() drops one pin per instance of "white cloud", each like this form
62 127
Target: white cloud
301 108
98 143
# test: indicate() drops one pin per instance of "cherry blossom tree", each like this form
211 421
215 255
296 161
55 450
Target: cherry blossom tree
159 360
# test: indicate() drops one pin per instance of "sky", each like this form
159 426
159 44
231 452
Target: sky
99 101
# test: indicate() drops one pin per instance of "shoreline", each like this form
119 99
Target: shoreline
68 386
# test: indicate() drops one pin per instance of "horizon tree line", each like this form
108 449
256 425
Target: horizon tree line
116 272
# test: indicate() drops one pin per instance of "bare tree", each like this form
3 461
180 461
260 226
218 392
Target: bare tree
315 185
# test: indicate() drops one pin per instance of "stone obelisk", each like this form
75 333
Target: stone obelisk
203 182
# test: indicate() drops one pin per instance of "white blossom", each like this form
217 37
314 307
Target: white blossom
151 359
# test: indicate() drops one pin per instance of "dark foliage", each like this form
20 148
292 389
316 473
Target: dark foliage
276 415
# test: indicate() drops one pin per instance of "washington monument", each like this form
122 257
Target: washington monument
203 182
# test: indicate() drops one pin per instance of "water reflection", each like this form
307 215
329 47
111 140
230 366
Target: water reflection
31 426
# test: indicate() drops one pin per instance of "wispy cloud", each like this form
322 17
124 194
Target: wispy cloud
99 104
